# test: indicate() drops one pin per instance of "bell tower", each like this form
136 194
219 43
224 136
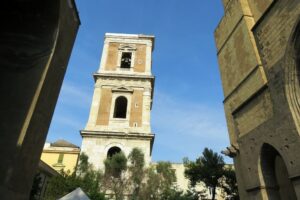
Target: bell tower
119 118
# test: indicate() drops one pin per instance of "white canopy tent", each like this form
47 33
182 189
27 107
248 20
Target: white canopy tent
77 194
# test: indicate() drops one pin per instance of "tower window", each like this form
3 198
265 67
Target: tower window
112 151
120 107
126 60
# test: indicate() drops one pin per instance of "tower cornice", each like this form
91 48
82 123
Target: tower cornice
122 135
131 36
119 75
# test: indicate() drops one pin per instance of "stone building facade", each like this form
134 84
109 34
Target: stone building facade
120 112
258 45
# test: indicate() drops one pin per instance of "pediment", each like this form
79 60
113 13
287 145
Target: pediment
122 89
127 47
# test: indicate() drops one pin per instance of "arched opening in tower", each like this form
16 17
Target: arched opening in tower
112 151
120 107
275 174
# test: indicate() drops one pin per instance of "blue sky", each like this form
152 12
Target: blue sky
187 113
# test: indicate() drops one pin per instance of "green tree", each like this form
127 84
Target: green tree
115 165
149 189
167 174
136 171
88 179
115 177
208 168
230 184
36 187
158 183
57 187
83 165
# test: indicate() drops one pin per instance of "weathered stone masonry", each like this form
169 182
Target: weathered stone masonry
258 52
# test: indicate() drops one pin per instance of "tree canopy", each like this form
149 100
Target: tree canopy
209 169
128 177
88 179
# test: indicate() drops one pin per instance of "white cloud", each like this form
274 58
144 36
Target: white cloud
188 118
74 95
71 112
185 128
67 121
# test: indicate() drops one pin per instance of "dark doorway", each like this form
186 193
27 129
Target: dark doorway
275 175
112 151
120 107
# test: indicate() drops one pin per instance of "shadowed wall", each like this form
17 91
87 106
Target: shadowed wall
36 40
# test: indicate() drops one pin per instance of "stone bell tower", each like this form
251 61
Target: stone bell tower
120 112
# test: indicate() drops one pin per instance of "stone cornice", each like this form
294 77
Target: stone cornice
121 135
119 75
87 133
61 151
130 37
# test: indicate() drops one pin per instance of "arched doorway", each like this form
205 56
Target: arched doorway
275 175
292 73
112 151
